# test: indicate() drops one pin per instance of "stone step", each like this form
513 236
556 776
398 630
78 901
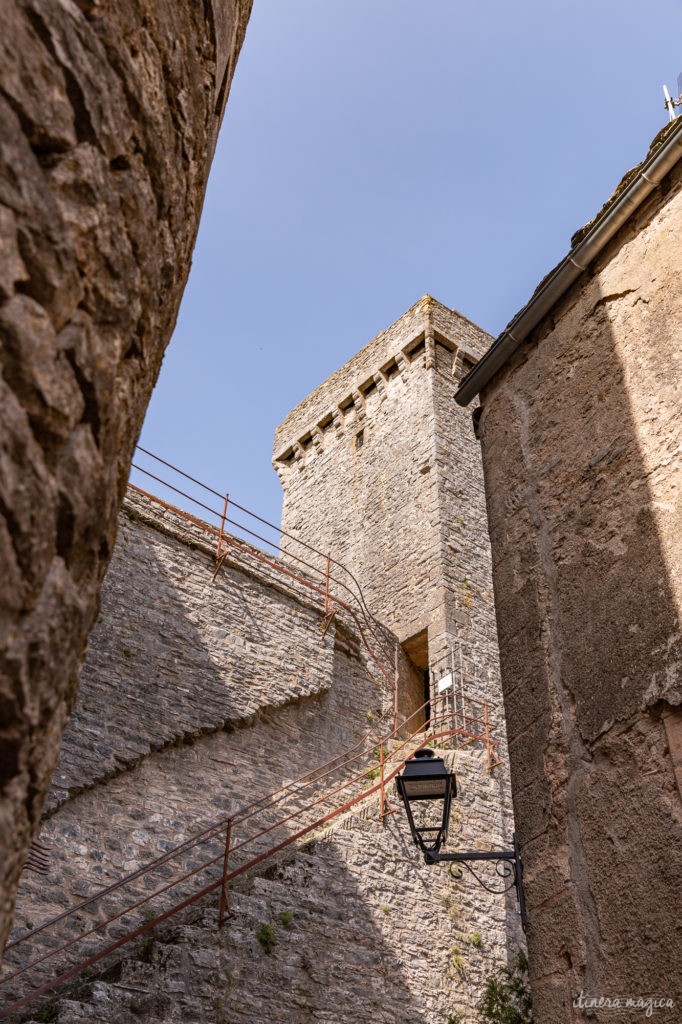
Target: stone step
357 887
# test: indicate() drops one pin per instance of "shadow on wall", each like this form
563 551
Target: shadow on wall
579 443
374 932
228 693
351 928
102 188
512 915
369 939
175 656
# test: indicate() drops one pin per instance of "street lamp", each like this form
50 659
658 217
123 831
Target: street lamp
425 778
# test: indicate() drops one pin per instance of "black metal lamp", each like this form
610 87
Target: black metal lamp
425 777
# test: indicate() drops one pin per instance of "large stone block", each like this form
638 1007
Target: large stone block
108 121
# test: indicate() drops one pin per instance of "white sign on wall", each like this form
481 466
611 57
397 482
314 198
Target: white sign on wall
445 683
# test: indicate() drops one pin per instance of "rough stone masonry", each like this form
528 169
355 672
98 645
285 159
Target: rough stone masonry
234 691
582 455
379 466
109 114
198 694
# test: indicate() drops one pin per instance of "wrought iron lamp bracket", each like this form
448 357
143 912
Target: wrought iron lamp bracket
507 865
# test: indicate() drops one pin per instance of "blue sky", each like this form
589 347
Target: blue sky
376 150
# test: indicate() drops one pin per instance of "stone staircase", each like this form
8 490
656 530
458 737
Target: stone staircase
302 806
350 927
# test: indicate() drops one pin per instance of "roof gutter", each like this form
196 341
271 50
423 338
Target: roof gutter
647 178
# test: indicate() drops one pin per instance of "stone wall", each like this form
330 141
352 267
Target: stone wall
581 448
177 657
362 931
378 465
198 696
465 580
183 655
109 114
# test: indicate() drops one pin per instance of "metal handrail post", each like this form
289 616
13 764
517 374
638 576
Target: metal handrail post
382 791
396 677
326 585
487 736
224 896
222 527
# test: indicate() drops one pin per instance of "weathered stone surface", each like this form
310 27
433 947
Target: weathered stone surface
369 933
185 655
379 466
195 698
581 447
108 118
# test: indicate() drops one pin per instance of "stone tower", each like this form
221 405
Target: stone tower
214 683
380 468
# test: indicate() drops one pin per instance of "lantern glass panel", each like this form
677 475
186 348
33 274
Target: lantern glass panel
425 789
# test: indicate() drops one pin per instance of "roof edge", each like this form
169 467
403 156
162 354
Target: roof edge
643 181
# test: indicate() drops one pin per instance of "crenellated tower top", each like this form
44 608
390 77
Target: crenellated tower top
380 468
391 353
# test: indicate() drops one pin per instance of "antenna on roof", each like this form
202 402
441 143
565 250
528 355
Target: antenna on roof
670 103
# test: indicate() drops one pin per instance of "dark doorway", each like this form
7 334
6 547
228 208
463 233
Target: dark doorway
417 650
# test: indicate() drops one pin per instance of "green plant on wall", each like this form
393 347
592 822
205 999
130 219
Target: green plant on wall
449 902
267 937
458 961
375 772
466 593
506 996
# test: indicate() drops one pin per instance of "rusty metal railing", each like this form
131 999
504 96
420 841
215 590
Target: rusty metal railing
117 929
316 579
296 809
